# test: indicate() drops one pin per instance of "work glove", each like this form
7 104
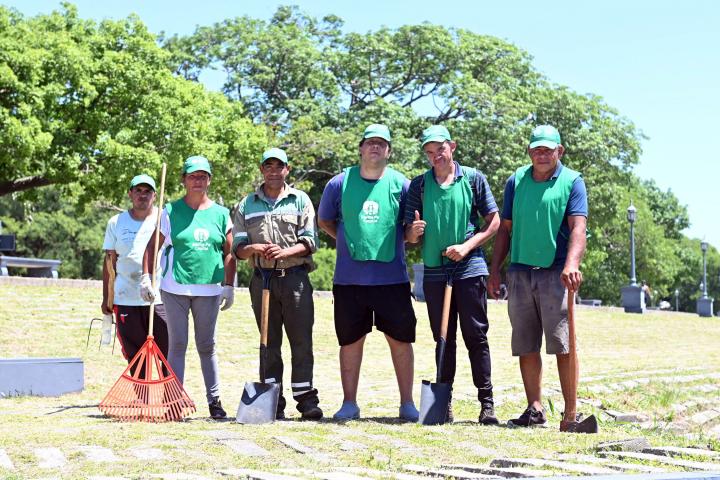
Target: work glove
227 297
146 290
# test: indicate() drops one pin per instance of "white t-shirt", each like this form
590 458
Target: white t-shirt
129 237
168 281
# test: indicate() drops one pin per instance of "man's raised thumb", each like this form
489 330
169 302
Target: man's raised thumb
417 215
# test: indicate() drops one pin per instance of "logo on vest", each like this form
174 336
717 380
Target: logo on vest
370 212
201 236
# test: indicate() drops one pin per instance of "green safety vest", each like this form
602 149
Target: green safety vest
370 214
446 209
197 237
538 212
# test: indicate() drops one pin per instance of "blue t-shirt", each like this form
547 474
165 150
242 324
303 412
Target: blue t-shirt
353 272
483 204
577 205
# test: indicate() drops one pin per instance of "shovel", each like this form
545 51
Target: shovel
589 424
435 397
259 400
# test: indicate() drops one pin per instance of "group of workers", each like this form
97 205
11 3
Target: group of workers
372 211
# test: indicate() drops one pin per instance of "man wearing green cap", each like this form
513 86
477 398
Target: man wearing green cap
451 209
543 227
274 230
126 235
362 209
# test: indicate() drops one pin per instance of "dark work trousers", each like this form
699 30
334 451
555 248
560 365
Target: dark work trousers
469 303
291 306
132 330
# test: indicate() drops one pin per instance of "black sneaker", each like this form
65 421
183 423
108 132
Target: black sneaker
280 414
312 413
487 415
216 409
449 418
531 417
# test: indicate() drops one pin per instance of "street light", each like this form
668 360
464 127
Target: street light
631 216
704 247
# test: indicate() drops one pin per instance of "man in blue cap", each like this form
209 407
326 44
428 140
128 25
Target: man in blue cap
126 236
362 209
274 229
451 209
543 227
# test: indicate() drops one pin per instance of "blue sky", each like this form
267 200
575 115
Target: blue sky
657 62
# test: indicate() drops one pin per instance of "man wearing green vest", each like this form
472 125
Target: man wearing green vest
543 226
274 230
451 209
362 209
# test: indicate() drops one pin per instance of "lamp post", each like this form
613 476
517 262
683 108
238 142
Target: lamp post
633 299
704 247
631 216
704 303
677 296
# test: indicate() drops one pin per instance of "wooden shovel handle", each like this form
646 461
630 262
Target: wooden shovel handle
264 316
111 281
156 247
446 311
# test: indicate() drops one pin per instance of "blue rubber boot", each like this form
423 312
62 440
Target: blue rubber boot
348 411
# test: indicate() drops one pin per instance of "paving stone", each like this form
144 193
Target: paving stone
447 472
560 465
339 476
689 464
630 417
701 418
246 448
476 449
255 474
510 472
96 453
223 434
147 453
628 445
622 467
50 457
96 477
5 461
178 476
679 451
349 445
300 448
714 432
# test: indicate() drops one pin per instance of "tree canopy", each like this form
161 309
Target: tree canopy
90 105
85 105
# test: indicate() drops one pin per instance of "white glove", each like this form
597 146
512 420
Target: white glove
227 297
146 290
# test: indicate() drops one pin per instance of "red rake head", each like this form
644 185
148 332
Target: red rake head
148 390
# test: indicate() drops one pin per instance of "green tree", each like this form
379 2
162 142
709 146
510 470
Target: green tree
89 105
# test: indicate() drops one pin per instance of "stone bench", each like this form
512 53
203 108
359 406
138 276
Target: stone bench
593 302
37 267
46 377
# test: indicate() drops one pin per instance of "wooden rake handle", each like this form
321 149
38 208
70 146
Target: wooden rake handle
156 248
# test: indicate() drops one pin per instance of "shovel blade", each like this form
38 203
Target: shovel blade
258 403
434 402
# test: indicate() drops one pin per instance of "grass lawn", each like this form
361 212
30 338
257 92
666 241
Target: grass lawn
673 358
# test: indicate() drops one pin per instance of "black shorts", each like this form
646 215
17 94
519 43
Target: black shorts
356 306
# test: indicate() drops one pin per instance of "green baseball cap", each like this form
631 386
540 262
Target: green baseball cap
195 163
544 136
277 153
377 130
142 179
436 133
